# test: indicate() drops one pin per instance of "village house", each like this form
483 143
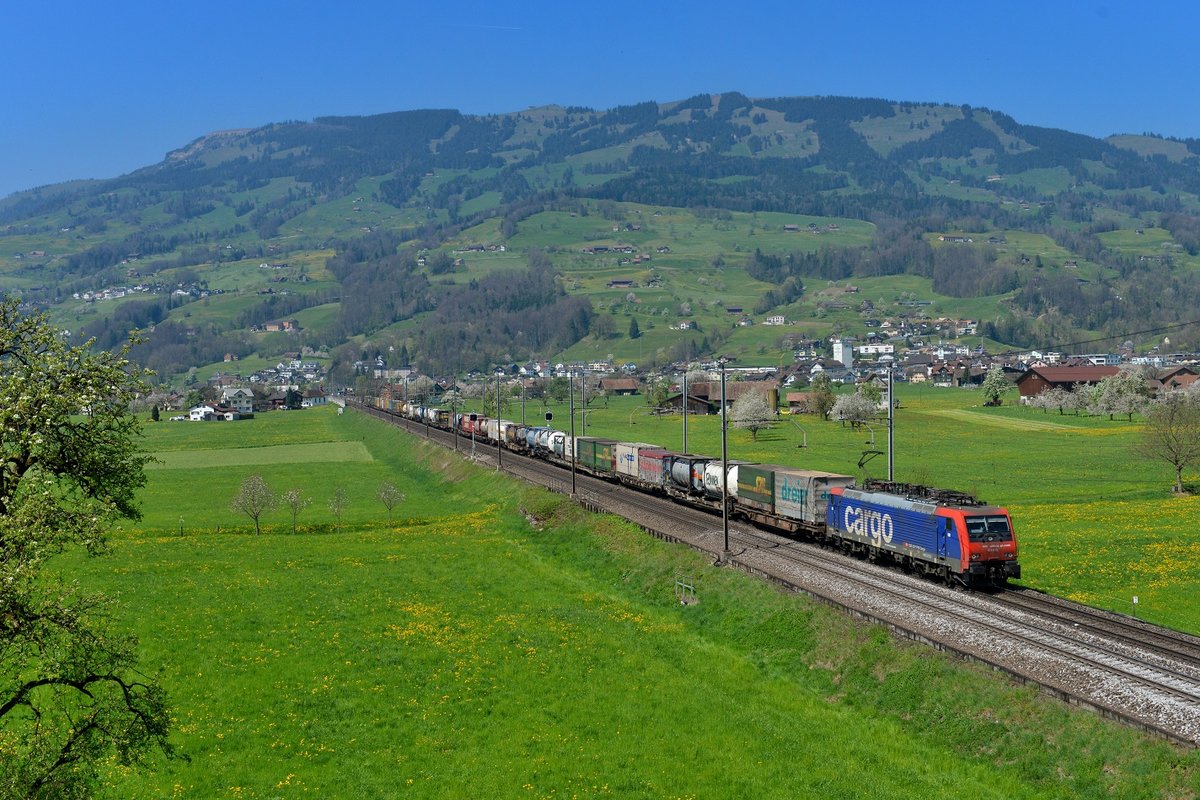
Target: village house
313 398
201 413
239 399
619 387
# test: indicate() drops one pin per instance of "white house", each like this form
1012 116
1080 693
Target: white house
313 397
201 413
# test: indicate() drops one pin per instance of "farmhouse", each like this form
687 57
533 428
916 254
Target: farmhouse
1036 380
619 387
711 391
802 402
695 405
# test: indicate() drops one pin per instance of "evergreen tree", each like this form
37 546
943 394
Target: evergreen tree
634 332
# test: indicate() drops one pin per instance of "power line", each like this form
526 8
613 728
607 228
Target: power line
1127 335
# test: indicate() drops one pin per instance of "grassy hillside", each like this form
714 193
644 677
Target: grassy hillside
495 641
351 204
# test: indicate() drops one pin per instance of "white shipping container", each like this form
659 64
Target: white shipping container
626 455
802 494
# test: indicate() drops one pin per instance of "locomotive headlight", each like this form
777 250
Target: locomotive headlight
974 556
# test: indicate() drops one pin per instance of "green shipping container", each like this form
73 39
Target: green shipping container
595 454
756 486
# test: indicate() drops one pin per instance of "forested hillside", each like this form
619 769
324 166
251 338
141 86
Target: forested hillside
469 240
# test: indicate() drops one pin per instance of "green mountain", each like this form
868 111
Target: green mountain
464 241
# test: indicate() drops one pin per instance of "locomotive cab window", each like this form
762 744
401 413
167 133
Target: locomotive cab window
989 529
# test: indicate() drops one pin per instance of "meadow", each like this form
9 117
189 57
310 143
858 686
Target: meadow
495 640
1096 523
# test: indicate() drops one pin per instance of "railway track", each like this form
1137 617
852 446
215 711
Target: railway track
1122 630
1126 669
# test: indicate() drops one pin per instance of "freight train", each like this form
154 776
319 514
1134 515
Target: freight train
937 533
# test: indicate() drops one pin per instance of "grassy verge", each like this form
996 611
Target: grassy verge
496 641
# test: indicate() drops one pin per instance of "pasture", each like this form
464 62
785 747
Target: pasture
497 641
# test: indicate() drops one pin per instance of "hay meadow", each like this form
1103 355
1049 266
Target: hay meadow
496 641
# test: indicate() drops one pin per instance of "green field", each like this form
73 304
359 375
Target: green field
496 641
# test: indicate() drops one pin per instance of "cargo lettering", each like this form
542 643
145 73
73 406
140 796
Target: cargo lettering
868 523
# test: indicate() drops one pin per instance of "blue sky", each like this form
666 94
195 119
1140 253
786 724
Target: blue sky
94 90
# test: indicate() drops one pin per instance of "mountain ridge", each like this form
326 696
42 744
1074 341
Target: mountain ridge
434 178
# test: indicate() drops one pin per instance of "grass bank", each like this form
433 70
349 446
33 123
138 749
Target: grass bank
497 641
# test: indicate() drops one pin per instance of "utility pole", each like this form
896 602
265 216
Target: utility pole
499 433
891 429
724 469
571 384
685 409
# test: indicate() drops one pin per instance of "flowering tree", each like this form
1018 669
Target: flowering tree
752 412
1122 393
1172 432
339 501
254 498
390 496
995 386
854 408
295 502
71 697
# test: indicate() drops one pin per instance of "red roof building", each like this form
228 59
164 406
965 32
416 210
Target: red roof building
1036 380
